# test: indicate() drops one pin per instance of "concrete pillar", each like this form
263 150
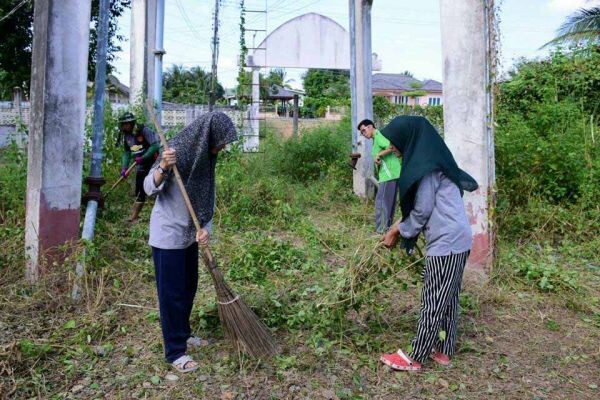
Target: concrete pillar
362 98
55 153
137 50
296 112
467 112
251 141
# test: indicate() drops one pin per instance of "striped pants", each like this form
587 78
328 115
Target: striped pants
438 320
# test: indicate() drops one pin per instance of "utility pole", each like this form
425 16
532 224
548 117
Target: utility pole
95 180
362 97
158 55
137 52
61 30
215 56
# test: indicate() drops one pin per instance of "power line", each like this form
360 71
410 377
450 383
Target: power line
14 10
186 19
215 56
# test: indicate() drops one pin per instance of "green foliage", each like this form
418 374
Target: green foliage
15 48
116 9
189 86
540 267
17 42
582 26
263 197
572 76
384 111
311 156
260 255
547 156
13 163
325 87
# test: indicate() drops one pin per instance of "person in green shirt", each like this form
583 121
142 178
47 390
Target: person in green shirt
388 165
140 145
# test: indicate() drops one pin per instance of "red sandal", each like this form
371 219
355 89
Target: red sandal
440 358
400 362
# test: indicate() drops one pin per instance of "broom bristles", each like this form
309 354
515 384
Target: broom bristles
240 324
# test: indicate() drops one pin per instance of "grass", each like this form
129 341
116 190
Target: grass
300 249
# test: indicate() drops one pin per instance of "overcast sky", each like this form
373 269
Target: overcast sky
405 33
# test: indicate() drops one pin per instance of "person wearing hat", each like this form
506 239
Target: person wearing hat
141 145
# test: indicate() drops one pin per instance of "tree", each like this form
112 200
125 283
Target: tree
277 77
188 86
416 91
407 73
15 47
325 87
117 7
330 83
582 26
16 32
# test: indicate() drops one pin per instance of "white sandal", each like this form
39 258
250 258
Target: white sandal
181 362
197 342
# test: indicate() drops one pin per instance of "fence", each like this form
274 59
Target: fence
14 117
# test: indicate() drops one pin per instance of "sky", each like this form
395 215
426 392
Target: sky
405 33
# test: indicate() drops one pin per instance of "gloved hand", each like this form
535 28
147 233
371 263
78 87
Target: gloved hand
124 173
138 160
409 245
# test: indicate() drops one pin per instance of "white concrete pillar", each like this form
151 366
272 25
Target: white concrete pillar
55 154
251 140
137 50
468 128
362 98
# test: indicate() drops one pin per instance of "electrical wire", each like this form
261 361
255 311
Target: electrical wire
14 10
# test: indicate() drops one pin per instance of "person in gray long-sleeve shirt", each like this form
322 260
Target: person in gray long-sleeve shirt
173 236
170 218
440 213
431 187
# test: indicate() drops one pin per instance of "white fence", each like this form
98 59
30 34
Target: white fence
13 116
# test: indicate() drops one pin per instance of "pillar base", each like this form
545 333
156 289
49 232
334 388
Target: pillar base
94 190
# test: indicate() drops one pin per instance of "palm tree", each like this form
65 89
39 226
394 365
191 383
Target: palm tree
582 26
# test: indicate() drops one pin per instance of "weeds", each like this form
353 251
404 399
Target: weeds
297 244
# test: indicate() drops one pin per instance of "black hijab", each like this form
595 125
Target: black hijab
195 161
423 151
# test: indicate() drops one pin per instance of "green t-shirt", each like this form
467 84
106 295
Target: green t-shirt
389 168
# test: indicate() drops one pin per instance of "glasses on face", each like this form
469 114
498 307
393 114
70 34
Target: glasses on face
363 130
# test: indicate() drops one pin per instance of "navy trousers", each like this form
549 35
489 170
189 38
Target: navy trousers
176 282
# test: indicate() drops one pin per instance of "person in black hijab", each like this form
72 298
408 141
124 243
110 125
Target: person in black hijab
431 187
173 237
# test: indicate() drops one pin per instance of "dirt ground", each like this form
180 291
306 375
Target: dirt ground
523 345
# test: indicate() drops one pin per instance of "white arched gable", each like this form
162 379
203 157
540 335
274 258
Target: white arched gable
308 41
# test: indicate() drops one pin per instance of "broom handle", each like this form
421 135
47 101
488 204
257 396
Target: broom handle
121 179
205 250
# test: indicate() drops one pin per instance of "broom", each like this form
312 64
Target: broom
240 323
121 179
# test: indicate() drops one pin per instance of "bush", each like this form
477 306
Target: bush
546 156
312 154
384 111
